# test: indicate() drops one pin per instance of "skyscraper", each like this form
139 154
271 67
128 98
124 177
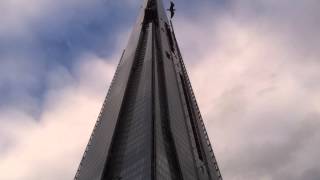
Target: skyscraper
150 127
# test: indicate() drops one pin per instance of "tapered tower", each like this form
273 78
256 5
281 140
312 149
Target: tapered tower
150 127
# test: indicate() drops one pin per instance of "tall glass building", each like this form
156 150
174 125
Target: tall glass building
150 126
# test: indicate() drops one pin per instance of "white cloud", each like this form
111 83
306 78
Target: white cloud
258 93
46 140
51 146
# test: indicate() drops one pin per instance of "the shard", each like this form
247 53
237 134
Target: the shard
150 127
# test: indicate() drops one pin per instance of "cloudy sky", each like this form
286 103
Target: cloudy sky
254 65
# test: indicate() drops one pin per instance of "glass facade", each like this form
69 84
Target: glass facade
150 126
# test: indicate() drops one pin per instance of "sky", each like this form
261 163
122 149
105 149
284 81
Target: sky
254 66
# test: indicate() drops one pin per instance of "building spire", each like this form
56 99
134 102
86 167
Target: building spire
150 126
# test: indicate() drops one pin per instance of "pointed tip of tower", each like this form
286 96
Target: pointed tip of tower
150 12
154 9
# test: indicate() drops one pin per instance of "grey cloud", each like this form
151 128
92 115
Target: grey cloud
255 70
39 148
43 101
